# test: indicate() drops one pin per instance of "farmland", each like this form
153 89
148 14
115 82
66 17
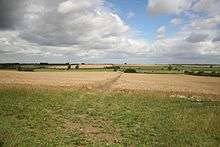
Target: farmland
178 83
100 107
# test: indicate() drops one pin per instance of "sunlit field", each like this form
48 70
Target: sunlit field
67 108
118 73
34 117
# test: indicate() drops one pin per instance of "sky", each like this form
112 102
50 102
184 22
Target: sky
110 31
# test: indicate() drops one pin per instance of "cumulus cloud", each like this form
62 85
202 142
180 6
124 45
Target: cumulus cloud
69 29
10 13
158 7
216 39
71 22
85 24
211 7
90 31
76 6
194 38
197 40
205 23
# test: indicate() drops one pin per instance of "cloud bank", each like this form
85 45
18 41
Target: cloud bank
90 31
77 30
197 40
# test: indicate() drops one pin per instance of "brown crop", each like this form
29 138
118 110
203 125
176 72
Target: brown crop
116 81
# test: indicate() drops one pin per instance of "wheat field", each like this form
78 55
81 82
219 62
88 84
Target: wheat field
116 81
108 108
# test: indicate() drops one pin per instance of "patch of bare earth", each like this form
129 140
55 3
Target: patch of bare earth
95 130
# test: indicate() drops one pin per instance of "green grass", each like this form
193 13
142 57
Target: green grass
33 117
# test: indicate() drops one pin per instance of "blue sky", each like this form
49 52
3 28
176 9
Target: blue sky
141 21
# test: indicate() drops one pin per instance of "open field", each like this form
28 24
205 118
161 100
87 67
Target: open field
170 83
186 84
108 108
60 79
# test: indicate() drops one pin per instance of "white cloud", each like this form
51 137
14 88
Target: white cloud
205 23
209 6
76 5
73 22
216 39
158 7
197 40
161 32
175 21
81 31
194 38
71 30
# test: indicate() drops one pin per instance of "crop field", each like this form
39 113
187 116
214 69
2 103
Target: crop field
177 83
103 108
60 79
184 84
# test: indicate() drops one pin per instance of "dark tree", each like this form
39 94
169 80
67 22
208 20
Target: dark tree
77 66
68 66
170 68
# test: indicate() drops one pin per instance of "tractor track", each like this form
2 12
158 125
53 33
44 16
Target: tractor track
107 84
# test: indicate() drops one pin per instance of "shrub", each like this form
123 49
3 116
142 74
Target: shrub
202 73
112 67
130 70
170 68
188 72
42 63
213 72
77 66
68 66
25 69
199 73
116 68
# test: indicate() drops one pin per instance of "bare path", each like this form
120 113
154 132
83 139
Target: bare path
107 85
